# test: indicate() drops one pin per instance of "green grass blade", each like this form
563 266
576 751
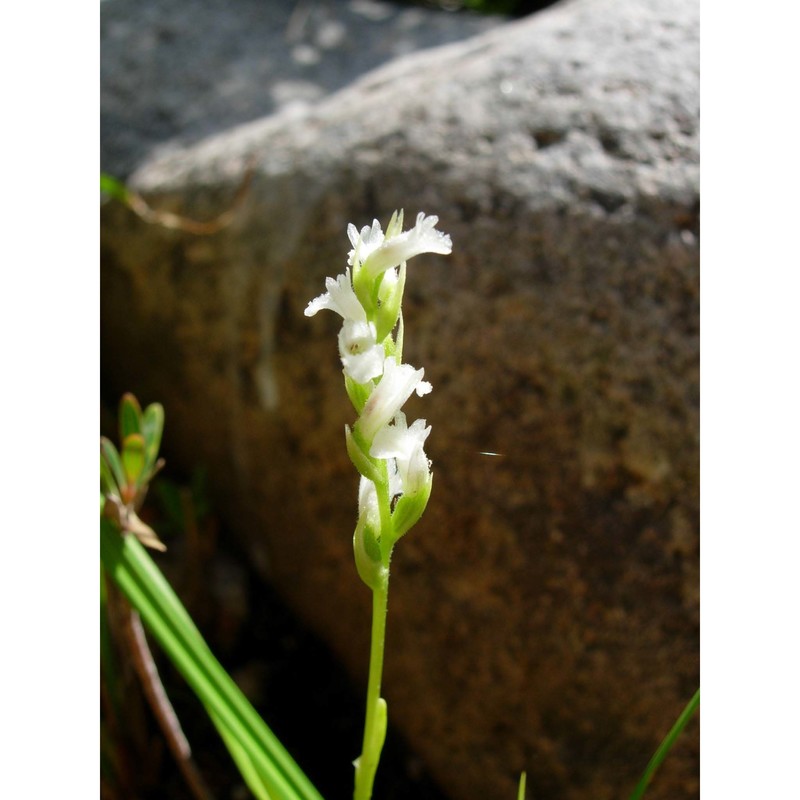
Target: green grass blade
145 586
247 768
193 665
523 779
666 746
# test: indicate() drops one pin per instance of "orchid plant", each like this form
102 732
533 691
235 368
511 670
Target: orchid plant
388 453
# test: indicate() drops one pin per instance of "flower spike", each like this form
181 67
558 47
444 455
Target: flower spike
396 478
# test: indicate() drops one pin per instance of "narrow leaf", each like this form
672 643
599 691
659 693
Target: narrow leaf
152 429
144 585
666 746
111 456
133 457
247 768
108 484
130 416
523 779
164 621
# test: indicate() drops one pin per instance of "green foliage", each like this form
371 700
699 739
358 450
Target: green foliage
113 187
666 746
267 768
124 477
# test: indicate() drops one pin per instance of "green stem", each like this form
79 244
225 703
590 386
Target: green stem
666 746
376 713
375 723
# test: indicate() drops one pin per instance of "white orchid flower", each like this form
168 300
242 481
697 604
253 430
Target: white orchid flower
340 298
387 398
365 242
377 253
404 446
362 357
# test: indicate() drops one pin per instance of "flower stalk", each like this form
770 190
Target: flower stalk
376 712
396 477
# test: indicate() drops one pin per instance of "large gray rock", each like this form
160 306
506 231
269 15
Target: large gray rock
544 614
176 72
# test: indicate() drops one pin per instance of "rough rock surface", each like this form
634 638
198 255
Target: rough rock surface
176 72
544 614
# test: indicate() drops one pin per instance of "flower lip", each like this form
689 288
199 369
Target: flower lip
362 358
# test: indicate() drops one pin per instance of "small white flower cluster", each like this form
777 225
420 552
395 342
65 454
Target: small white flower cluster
396 476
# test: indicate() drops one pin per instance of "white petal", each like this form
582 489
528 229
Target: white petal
365 242
415 472
395 387
422 238
397 439
419 431
352 234
389 441
368 502
364 367
361 356
395 479
372 237
404 447
340 298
